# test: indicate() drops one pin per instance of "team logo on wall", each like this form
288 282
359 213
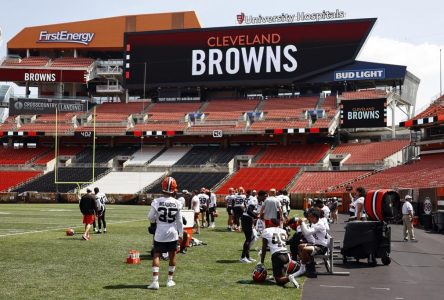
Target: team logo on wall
365 113
240 18
427 206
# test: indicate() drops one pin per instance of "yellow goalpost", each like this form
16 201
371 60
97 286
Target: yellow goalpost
56 150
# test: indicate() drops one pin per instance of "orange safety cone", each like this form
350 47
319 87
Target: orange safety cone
133 257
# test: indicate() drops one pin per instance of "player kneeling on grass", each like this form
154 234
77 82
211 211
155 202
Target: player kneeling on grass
275 239
165 212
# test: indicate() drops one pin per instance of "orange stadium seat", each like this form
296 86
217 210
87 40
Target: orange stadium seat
11 179
260 179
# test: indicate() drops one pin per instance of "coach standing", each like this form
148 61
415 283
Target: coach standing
271 208
407 217
89 209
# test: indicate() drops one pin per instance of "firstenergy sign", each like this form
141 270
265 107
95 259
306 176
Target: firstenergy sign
281 53
65 36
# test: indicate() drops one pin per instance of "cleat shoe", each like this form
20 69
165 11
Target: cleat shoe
245 260
300 272
98 232
170 283
293 280
153 286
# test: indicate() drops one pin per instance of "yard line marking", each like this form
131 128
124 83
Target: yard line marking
62 228
4 213
338 286
380 288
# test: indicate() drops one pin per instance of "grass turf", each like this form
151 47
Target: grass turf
38 261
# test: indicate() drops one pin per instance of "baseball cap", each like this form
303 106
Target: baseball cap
408 197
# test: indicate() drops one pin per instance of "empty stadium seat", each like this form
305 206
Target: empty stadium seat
10 156
369 153
170 157
294 154
46 183
314 182
10 179
193 181
142 156
260 179
103 154
201 155
125 182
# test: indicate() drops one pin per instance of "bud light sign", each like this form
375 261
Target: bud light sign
347 75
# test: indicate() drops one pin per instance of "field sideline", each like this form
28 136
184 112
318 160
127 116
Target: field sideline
38 261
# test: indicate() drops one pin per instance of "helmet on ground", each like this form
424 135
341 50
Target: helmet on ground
259 273
169 185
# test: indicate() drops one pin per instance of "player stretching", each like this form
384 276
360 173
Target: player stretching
165 212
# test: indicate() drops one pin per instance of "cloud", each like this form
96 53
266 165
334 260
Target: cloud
422 60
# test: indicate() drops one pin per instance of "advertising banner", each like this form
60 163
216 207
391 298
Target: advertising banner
240 55
42 75
22 106
366 113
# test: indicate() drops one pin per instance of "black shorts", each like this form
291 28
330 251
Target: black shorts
162 247
280 260
238 211
203 209
230 211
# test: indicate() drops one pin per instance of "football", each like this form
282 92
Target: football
70 232
259 273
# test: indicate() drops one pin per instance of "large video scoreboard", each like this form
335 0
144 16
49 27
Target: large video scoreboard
241 55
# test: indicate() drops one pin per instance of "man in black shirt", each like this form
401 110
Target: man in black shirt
89 209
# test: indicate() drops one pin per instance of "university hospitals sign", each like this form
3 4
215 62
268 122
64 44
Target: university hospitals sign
301 16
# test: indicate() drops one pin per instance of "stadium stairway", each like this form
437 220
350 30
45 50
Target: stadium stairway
156 156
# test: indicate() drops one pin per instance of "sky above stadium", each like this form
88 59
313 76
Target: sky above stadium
406 33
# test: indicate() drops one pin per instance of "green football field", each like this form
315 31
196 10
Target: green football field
38 260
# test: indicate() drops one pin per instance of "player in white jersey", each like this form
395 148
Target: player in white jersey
195 206
165 212
212 206
203 206
321 238
238 207
229 200
275 239
101 201
285 203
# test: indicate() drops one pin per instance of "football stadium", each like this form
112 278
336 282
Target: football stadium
124 103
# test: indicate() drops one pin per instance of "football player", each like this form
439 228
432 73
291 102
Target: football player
318 239
275 239
203 206
101 201
238 207
212 205
165 212
247 219
229 201
195 206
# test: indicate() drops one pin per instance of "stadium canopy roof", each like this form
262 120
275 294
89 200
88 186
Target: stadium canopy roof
97 34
